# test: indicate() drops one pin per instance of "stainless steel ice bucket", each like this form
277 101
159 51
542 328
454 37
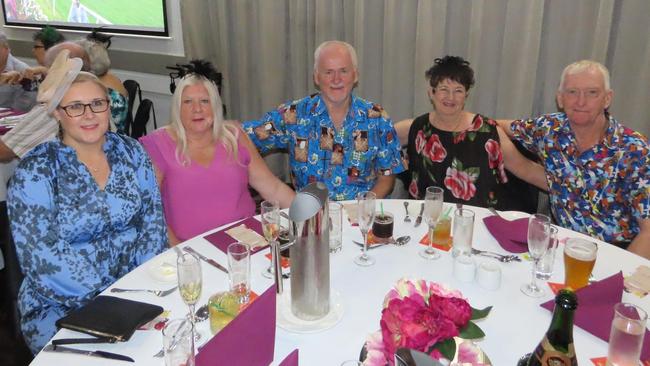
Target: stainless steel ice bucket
310 257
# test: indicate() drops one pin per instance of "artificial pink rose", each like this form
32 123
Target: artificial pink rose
413 188
455 309
460 184
495 158
434 149
420 141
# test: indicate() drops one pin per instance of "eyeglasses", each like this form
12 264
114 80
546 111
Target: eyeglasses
77 109
586 93
446 91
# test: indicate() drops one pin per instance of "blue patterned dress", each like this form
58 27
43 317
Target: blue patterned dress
72 239
601 192
347 160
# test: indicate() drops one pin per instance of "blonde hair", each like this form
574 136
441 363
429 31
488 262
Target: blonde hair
585 65
222 131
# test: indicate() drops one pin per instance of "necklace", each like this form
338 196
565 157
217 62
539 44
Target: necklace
457 123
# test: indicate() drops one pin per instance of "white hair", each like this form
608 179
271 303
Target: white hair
585 65
350 49
222 131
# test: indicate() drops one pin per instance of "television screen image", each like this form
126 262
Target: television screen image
145 17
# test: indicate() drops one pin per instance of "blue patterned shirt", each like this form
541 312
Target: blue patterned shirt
347 160
601 192
72 239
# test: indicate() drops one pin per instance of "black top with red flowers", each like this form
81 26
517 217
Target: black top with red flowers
468 164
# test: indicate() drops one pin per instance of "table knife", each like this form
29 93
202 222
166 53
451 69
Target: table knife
206 259
418 221
100 354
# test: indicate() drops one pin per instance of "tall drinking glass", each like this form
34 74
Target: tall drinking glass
366 212
270 214
433 200
190 283
539 235
626 337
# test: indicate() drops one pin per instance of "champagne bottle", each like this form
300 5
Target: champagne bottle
556 348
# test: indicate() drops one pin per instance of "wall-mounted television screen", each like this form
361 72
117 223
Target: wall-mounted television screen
142 17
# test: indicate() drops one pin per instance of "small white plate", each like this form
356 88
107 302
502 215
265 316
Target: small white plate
513 215
162 268
289 322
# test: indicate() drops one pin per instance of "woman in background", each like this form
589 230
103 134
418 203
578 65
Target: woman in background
96 46
84 209
462 152
204 164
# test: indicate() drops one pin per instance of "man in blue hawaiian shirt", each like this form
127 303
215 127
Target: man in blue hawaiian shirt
333 136
597 169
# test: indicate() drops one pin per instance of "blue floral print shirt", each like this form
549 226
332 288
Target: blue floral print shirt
346 160
73 239
601 192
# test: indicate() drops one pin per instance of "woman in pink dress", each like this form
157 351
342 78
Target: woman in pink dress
205 164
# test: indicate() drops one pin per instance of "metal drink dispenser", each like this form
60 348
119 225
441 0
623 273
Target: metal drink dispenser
310 257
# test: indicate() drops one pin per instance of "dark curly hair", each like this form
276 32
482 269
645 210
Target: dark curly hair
49 36
454 68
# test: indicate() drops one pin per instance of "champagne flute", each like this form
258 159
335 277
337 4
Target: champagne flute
366 216
270 214
433 201
539 235
190 282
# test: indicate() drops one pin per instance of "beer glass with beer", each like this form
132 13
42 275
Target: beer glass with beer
579 259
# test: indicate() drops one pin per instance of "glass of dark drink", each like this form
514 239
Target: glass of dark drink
283 238
382 227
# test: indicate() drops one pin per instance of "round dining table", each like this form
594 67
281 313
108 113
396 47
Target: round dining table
513 328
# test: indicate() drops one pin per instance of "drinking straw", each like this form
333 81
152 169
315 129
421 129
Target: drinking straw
381 205
446 214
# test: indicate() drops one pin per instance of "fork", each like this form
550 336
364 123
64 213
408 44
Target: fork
406 207
159 293
500 257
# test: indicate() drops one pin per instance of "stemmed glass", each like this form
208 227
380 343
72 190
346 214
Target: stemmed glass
270 213
366 213
433 201
190 283
539 235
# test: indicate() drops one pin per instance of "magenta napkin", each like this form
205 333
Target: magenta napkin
511 235
595 310
291 359
221 240
249 339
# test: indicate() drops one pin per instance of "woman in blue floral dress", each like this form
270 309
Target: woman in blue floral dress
85 210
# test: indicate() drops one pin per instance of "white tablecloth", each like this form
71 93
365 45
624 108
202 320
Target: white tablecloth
514 327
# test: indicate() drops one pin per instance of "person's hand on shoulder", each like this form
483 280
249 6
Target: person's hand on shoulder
35 72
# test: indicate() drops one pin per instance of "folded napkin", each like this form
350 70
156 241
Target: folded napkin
291 359
511 235
221 239
248 339
595 310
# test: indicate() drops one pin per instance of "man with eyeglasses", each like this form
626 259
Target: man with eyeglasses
333 136
596 168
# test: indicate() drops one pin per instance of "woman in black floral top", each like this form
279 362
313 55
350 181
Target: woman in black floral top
464 153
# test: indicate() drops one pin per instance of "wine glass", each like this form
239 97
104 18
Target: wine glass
433 200
270 213
366 216
190 282
539 235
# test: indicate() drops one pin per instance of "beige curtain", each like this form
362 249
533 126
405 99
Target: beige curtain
517 49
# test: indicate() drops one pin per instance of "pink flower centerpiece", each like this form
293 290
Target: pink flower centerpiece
427 317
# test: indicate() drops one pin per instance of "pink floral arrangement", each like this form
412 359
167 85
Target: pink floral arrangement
427 317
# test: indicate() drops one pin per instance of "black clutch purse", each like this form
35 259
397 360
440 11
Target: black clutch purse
110 319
